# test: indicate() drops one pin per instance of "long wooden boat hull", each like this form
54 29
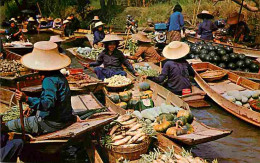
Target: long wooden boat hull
252 76
19 50
247 51
57 31
234 82
161 95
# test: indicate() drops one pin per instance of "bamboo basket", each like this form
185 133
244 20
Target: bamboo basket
213 75
129 153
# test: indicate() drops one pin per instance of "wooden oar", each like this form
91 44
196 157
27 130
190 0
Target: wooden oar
21 112
128 31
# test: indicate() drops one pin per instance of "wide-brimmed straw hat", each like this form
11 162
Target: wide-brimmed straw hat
49 18
66 21
205 14
57 20
99 24
176 50
31 19
45 57
43 20
56 38
13 19
141 36
69 18
96 18
110 38
38 16
233 18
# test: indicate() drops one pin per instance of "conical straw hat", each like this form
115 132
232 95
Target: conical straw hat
176 50
65 21
49 18
205 14
99 24
109 38
57 20
233 18
96 18
31 19
43 20
56 38
45 57
141 36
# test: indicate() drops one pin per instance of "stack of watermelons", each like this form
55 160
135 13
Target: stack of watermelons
222 56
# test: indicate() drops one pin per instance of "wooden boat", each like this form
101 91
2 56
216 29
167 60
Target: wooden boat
237 48
79 57
57 31
216 89
19 50
82 32
161 95
7 99
44 30
195 99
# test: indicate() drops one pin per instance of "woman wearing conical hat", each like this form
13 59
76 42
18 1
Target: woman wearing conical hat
176 69
32 25
238 28
53 108
145 49
99 34
112 59
207 27
94 21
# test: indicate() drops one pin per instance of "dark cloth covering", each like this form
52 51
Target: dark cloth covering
177 74
103 73
242 30
75 24
13 31
206 28
98 36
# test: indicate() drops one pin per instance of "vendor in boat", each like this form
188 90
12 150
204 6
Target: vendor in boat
112 59
14 32
94 21
32 25
53 108
38 18
99 34
145 49
50 22
57 23
207 27
176 69
75 24
66 28
10 148
238 29
58 40
43 23
176 24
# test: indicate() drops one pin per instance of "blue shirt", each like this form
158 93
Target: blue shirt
176 21
98 36
206 28
55 98
177 73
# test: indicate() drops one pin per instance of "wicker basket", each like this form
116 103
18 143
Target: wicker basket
213 75
253 104
128 153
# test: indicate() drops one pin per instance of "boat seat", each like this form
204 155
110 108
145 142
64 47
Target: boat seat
84 102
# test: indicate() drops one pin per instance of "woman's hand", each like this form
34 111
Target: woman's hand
27 111
20 96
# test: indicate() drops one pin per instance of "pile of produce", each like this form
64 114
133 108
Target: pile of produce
13 113
132 46
242 98
146 70
11 68
168 119
158 156
89 53
125 131
126 100
117 81
222 56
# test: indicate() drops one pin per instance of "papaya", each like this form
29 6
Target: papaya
143 86
172 131
132 104
167 116
125 96
187 114
122 105
163 126
115 98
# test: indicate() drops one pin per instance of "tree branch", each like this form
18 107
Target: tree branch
248 7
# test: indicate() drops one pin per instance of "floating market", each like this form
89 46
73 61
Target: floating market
129 81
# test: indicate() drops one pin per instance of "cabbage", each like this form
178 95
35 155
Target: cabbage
138 114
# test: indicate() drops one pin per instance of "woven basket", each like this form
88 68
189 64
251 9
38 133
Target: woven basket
128 153
253 104
213 75
4 74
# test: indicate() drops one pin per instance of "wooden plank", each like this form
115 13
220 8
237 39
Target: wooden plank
90 102
77 104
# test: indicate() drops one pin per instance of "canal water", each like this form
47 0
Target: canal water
242 146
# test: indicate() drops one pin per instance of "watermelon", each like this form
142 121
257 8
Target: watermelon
222 65
233 56
222 52
204 51
191 56
248 61
241 56
254 67
132 104
212 53
229 49
210 48
246 70
240 64
225 58
202 56
232 66
143 86
216 58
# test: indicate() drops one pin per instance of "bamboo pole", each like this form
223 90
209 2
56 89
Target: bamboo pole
193 17
21 113
239 14
197 13
128 31
39 8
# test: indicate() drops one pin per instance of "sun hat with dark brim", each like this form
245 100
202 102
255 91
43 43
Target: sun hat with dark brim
12 19
49 18
43 20
98 24
31 19
57 20
176 50
69 18
233 18
45 57
141 37
205 14
96 18
65 21
111 38
56 38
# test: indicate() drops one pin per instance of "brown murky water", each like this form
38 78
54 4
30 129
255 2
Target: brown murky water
243 145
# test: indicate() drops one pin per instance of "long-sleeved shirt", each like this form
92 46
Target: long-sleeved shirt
115 60
177 73
176 21
148 53
55 98
206 28
98 36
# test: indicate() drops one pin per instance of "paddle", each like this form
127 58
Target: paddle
21 112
